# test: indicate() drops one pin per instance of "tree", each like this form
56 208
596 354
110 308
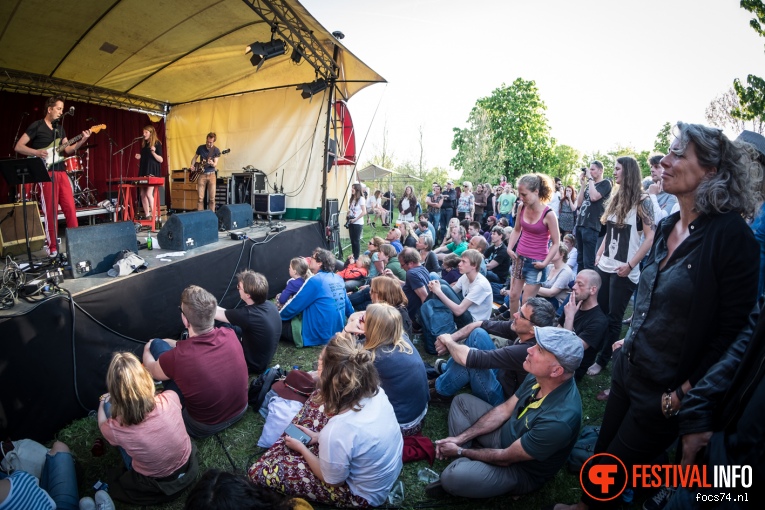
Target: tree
566 165
720 113
663 139
507 134
752 95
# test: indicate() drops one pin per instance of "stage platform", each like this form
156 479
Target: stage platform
55 351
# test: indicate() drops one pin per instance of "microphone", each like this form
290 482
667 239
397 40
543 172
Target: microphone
90 119
24 114
71 110
139 138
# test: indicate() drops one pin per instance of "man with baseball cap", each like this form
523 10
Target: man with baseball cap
516 447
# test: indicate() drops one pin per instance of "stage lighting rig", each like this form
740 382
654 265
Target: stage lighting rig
262 51
309 89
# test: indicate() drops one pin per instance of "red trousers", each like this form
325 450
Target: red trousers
64 198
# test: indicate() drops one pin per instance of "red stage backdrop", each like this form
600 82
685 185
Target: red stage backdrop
122 127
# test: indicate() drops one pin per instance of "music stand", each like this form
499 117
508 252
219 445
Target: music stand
25 171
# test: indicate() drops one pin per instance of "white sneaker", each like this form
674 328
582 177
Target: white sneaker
594 369
104 501
440 365
87 504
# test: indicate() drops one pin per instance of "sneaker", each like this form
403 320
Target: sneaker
87 504
594 369
104 501
660 499
440 365
53 254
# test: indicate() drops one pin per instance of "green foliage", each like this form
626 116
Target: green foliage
663 139
507 134
566 164
752 95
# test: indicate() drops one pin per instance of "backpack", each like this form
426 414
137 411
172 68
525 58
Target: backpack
583 449
261 385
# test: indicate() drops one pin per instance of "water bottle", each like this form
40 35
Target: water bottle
427 476
396 494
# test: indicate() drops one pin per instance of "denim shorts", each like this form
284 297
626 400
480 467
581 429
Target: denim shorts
523 269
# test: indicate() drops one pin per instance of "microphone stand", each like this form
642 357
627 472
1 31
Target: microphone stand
121 153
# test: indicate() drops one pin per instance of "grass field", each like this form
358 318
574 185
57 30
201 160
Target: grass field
240 443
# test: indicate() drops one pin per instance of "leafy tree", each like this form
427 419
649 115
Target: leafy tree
720 113
752 95
566 165
507 134
663 139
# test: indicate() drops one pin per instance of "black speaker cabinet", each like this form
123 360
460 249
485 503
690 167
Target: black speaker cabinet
235 216
190 230
91 249
330 212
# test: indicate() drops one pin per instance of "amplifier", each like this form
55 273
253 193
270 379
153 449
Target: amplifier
271 204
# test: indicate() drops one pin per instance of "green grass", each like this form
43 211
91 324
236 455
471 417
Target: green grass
240 441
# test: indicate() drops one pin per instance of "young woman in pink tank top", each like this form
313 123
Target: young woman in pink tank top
539 226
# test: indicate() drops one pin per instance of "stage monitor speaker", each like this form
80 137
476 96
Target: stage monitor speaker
12 240
190 230
235 216
91 249
330 212
271 204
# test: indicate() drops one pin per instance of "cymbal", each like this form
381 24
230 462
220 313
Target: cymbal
89 146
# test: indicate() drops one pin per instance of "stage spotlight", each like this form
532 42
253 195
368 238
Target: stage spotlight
263 51
309 89
297 54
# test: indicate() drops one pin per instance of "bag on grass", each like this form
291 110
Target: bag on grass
261 385
23 455
583 449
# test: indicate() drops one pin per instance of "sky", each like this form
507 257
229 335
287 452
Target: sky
611 72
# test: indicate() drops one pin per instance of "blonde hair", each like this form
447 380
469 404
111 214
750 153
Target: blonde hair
131 389
199 307
153 140
388 291
363 261
383 327
348 375
300 266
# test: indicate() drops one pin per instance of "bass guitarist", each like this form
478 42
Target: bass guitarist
41 139
208 159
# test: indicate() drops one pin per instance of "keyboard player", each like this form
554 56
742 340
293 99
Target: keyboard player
150 159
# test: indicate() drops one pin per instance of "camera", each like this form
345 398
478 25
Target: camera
584 170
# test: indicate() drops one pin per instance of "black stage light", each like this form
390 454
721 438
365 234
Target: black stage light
297 54
263 51
309 89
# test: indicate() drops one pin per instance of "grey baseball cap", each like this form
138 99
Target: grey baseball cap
563 344
754 139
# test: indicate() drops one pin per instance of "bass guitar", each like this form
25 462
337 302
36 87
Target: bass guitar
61 146
199 166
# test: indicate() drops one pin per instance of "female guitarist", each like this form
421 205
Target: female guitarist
150 158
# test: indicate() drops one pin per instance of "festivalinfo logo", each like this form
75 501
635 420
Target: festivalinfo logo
604 477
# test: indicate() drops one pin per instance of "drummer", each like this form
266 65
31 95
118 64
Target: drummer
38 140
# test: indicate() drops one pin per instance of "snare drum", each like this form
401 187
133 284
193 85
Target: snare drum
73 164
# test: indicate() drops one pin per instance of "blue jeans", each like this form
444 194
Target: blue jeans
435 220
483 383
437 319
59 480
586 247
446 215
127 459
360 299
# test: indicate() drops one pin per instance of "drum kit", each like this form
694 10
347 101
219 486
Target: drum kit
75 168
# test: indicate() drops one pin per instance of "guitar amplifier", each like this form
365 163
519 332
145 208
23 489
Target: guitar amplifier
271 204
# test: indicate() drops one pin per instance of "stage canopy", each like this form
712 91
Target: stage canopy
185 59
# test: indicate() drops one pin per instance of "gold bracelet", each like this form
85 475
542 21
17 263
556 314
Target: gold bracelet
102 398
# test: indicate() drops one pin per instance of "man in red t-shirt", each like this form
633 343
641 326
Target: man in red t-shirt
208 370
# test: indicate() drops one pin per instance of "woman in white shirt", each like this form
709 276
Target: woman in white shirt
355 450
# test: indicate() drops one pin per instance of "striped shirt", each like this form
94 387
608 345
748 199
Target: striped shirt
25 494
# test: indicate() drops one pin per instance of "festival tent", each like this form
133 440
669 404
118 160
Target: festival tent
183 62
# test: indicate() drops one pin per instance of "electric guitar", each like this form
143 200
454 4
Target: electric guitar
61 146
199 166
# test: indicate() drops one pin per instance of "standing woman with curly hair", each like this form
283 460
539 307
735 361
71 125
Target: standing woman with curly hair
535 228
355 450
630 227
358 209
697 289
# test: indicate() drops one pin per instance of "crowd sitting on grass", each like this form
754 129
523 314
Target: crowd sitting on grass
509 370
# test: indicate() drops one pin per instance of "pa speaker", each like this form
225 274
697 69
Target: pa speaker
12 240
91 249
188 230
234 216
